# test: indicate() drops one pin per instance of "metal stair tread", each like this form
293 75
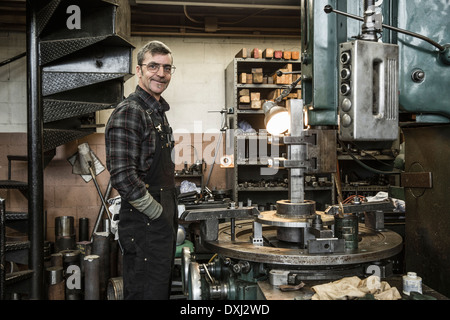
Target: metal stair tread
16 245
13 184
16 276
11 215
17 157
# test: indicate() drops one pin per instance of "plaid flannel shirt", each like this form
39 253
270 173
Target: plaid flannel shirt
130 144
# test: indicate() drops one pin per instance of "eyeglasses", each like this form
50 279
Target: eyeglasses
154 67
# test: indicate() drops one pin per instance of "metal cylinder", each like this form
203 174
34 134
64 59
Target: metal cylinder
346 228
83 229
55 275
295 235
91 277
64 233
85 249
101 247
56 259
72 269
56 283
115 289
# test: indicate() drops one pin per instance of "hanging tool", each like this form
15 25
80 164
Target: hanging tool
86 163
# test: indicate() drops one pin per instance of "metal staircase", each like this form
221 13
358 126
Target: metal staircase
72 73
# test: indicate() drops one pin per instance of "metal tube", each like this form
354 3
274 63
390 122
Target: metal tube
71 258
64 233
56 259
92 277
35 154
83 229
100 214
2 248
5 62
101 247
56 283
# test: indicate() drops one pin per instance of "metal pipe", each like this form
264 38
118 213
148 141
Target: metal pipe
71 258
83 226
35 154
92 277
102 208
187 34
329 9
101 247
226 4
5 62
2 249
56 283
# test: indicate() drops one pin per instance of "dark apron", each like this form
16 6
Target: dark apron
149 245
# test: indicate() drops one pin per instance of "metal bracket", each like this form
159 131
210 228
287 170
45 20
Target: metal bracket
416 180
209 219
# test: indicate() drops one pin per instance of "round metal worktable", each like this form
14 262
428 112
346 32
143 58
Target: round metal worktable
372 246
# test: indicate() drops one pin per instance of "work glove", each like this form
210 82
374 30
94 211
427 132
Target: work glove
148 206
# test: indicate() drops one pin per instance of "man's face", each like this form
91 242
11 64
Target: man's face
154 81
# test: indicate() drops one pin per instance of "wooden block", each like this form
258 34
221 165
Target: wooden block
249 78
272 95
242 53
244 99
280 79
295 55
288 79
255 53
255 96
244 106
287 55
256 104
257 70
244 92
278 54
268 53
288 67
243 78
257 78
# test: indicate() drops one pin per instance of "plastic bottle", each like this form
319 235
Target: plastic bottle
411 282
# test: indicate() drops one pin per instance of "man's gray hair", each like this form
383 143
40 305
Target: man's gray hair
154 47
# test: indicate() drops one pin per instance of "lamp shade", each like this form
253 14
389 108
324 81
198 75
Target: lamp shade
276 118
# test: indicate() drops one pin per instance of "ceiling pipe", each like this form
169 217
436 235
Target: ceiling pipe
215 35
229 4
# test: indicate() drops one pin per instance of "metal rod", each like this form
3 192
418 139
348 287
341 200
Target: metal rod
100 193
2 249
101 247
100 214
91 277
5 62
329 9
35 155
233 230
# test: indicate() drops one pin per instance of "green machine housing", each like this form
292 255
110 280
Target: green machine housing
424 111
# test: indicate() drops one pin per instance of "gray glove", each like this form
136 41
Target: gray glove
148 206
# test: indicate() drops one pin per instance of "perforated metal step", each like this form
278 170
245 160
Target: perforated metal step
17 276
13 184
56 137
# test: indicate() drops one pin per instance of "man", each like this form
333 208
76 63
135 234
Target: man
138 156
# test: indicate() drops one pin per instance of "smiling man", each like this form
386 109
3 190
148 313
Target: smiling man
139 143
